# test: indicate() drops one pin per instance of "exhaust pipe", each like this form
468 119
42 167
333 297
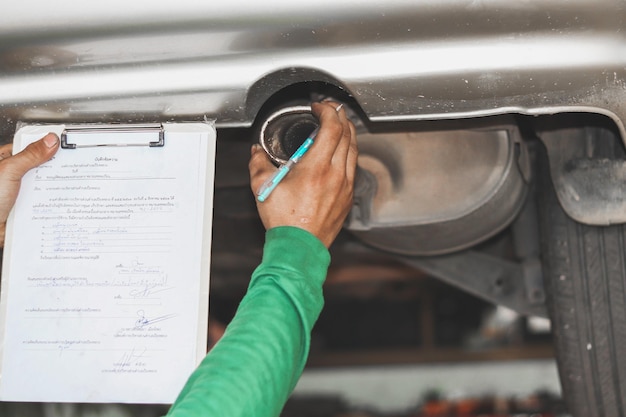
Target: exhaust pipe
285 130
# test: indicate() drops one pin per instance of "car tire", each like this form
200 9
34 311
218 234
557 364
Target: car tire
585 279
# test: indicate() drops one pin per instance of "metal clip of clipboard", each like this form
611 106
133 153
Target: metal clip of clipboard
123 130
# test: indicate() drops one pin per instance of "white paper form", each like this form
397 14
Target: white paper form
104 294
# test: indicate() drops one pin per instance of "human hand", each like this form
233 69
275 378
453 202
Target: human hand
13 168
317 194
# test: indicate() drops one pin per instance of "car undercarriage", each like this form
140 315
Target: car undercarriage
477 121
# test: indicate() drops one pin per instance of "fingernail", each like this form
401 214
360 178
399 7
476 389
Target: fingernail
255 148
50 140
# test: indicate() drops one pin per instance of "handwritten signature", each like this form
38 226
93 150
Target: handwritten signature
134 357
144 321
148 290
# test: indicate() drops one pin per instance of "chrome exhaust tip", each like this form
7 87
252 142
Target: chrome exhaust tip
285 130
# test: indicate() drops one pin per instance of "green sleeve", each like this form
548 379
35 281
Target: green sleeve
254 367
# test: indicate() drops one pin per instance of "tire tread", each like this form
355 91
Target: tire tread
585 273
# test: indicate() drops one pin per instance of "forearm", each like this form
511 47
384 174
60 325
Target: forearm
255 366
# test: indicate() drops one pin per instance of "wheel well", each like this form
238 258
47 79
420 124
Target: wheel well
587 162
289 86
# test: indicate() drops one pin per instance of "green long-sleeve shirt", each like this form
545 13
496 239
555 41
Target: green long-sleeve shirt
254 367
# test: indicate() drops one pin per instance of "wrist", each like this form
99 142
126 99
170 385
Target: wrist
291 241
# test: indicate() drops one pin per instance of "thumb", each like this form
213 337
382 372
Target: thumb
32 156
260 167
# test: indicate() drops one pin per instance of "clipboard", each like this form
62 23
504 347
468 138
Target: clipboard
105 275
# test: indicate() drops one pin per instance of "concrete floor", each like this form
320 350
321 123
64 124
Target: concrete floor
386 389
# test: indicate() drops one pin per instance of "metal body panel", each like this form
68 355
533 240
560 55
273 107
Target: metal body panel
399 59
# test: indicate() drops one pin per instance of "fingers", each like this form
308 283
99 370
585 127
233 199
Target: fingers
259 166
353 153
330 133
347 142
32 156
340 142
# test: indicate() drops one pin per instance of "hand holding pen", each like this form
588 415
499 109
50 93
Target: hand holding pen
268 186
318 194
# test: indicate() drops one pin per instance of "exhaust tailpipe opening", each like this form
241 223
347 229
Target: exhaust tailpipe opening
285 130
